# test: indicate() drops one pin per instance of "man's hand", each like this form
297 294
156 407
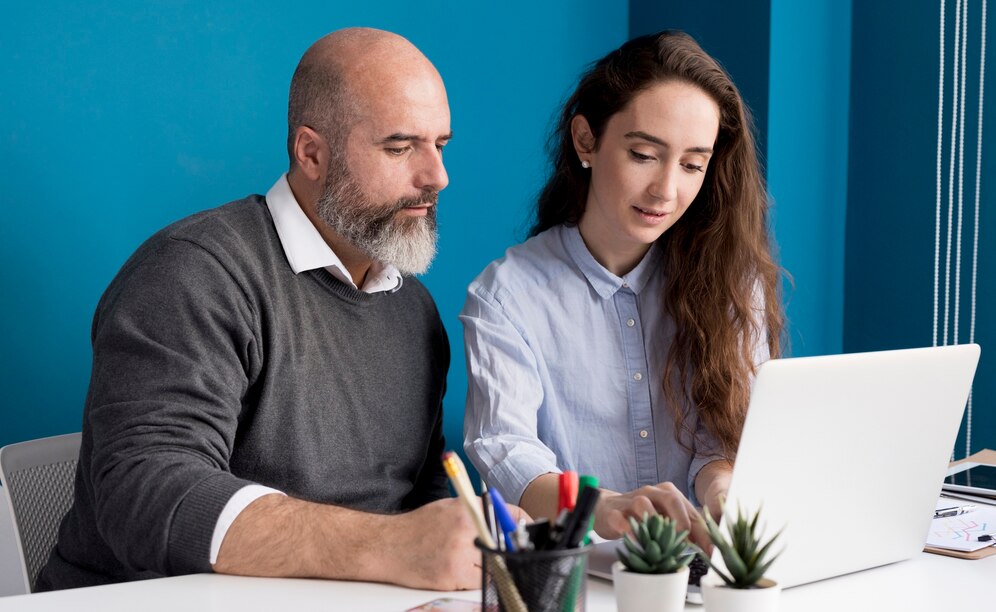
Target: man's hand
431 548
614 509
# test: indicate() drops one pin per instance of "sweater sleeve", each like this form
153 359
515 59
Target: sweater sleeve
174 351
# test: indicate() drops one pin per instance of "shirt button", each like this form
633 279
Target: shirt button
643 433
637 376
630 322
626 285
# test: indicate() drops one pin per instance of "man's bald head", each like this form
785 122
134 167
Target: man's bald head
338 72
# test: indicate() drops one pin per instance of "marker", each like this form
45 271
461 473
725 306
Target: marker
953 511
587 481
567 491
577 521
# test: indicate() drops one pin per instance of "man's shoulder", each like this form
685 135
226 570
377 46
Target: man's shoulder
202 246
244 218
241 230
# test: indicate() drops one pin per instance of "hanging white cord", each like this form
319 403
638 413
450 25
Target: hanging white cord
951 170
961 170
975 238
940 140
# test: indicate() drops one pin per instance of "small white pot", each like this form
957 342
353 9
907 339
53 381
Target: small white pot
718 597
649 592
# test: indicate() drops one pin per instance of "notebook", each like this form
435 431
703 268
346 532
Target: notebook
848 453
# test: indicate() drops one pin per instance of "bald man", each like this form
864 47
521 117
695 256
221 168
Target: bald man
268 376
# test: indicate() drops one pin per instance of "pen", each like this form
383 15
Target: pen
505 520
489 514
522 536
539 533
953 511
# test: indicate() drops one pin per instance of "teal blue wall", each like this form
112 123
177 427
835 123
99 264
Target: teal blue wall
807 167
117 118
735 32
892 184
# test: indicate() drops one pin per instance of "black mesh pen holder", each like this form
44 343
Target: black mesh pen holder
534 581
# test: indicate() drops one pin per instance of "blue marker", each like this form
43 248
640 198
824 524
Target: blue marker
505 520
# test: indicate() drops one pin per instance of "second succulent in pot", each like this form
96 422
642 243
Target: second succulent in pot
745 557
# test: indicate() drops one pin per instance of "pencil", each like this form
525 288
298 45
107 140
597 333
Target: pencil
503 579
461 482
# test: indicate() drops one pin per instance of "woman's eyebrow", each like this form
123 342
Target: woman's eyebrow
649 138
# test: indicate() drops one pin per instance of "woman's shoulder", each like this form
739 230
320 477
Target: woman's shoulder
537 262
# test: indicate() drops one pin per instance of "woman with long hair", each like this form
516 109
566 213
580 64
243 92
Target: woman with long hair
621 339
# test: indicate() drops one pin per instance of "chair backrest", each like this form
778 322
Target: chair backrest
38 476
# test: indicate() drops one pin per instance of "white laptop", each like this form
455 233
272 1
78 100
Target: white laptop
848 453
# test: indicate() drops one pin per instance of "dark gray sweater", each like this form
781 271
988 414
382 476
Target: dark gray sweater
214 367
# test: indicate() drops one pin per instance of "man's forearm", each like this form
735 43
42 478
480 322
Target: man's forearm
430 547
282 536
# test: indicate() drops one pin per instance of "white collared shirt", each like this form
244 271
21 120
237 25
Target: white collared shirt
305 250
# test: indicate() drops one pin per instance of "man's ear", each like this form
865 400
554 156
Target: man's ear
584 140
311 153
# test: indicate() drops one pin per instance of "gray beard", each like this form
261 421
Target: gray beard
407 243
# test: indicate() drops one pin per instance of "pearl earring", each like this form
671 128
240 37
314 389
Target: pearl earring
585 164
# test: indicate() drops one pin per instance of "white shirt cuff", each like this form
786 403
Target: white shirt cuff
242 498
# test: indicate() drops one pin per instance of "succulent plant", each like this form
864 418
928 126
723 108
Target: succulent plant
746 559
655 547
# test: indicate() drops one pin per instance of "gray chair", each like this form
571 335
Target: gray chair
38 476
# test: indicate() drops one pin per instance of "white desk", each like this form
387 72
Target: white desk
927 583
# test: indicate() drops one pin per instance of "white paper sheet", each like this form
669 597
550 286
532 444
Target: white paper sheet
962 532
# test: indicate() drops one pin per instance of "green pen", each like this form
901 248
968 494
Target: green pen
587 481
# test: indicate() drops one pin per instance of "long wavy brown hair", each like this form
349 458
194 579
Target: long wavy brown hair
722 284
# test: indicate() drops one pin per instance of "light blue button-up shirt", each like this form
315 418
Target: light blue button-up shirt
565 363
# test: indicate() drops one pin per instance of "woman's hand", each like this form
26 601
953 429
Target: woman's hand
711 485
614 509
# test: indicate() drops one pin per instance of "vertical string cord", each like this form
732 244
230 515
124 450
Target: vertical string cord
940 140
961 171
951 170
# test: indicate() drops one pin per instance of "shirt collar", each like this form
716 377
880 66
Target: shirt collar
307 250
605 283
